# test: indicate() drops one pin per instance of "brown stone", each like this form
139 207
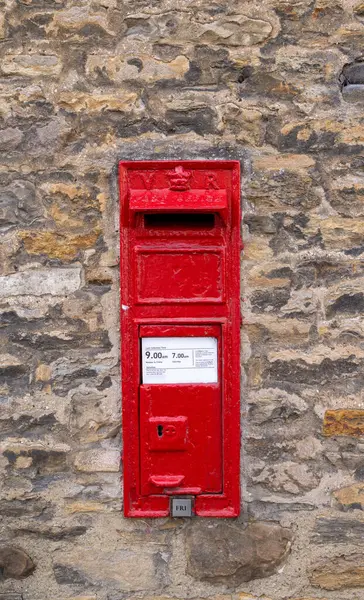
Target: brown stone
43 372
344 422
350 497
86 507
23 462
77 18
340 573
137 67
71 190
239 554
15 563
276 162
359 9
57 245
76 101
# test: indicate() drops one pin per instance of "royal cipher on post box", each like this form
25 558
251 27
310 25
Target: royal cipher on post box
180 322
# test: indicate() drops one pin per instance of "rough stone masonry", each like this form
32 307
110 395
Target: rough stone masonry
278 85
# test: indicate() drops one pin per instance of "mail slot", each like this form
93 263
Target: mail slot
180 325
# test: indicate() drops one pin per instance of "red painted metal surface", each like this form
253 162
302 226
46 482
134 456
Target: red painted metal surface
180 257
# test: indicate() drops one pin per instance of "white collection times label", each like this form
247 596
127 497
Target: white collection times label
179 360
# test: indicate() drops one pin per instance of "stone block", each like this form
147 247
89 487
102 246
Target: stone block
94 103
80 20
91 461
86 507
272 404
341 573
288 477
81 598
10 138
338 531
66 575
40 282
292 9
353 73
55 533
129 570
7 361
15 563
57 244
350 497
43 372
18 200
320 365
235 30
344 422
338 233
31 65
359 9
135 66
354 93
282 183
346 304
239 554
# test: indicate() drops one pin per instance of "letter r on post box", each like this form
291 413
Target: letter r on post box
180 265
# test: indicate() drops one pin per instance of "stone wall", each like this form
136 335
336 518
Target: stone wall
278 85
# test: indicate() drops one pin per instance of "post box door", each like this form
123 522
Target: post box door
181 422
180 439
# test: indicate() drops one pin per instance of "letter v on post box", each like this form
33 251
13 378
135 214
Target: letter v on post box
180 326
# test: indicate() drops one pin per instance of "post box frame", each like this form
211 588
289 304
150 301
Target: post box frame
140 315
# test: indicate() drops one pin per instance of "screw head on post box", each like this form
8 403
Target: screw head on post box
180 323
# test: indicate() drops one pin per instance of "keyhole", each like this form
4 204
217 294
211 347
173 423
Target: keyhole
160 430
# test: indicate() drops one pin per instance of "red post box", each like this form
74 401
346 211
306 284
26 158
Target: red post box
180 323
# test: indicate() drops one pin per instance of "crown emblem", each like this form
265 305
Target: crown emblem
179 179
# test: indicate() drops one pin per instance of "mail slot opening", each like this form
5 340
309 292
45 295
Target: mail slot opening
179 220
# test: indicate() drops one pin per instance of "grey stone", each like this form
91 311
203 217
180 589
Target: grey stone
10 138
353 93
269 301
15 563
272 404
231 554
200 120
289 477
354 72
298 371
38 282
18 203
49 134
51 533
67 575
18 508
359 472
352 304
275 511
338 531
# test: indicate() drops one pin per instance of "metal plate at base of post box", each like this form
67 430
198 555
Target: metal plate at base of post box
180 325
181 507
